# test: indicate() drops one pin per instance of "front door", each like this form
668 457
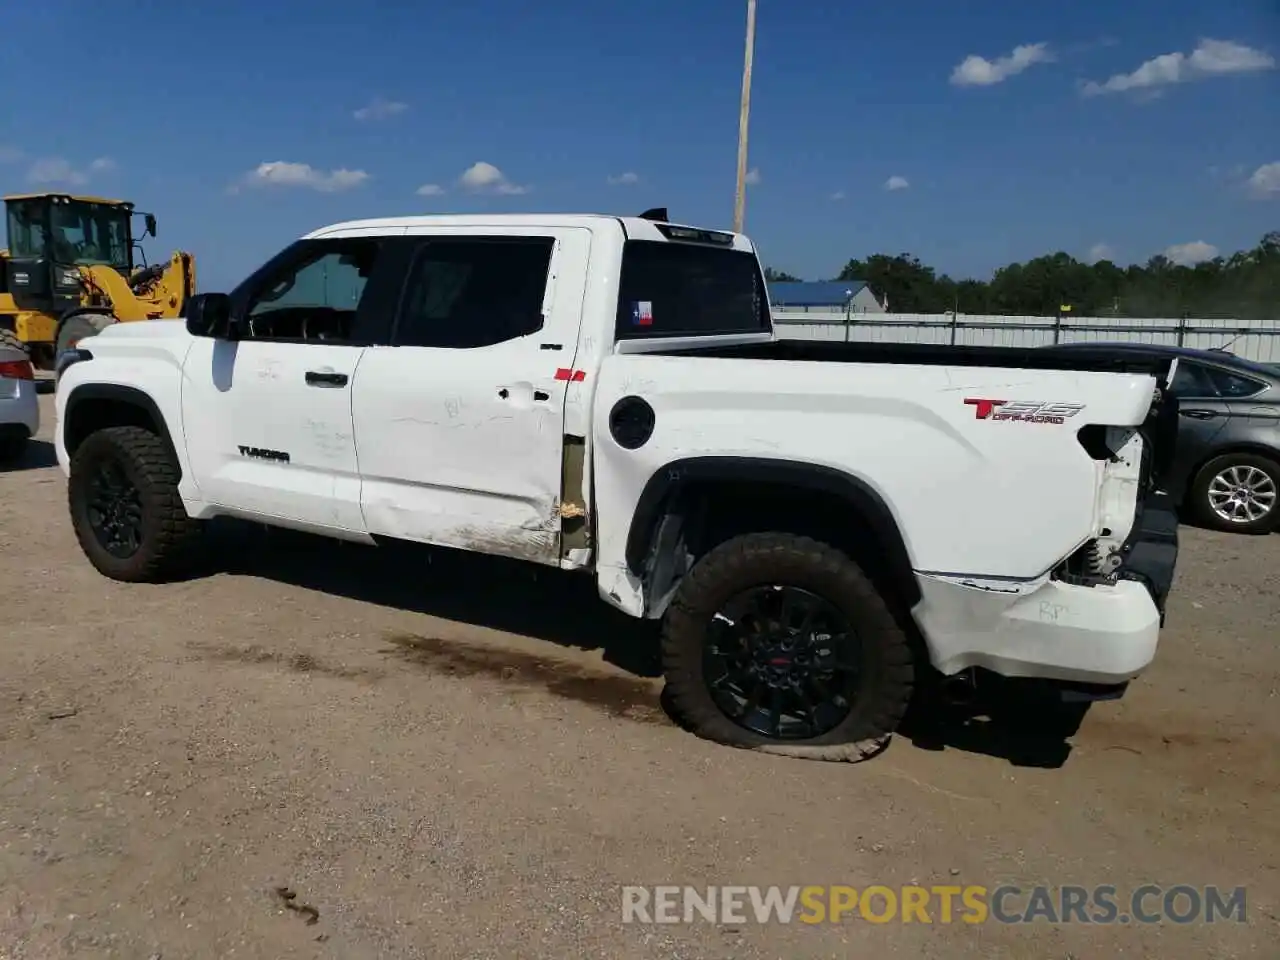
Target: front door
459 423
267 417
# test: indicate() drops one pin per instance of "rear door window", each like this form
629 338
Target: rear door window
675 289
1192 380
467 292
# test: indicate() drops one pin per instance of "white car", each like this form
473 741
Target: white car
19 407
817 525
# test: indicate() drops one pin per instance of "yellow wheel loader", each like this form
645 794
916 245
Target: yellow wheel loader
69 272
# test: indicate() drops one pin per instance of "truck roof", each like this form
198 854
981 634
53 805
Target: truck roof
80 197
635 227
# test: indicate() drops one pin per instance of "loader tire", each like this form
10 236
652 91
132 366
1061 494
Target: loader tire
10 339
82 326
781 644
125 508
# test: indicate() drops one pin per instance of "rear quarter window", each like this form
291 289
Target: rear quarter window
1234 386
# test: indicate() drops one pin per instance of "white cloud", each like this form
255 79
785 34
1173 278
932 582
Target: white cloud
838 195
625 179
1101 251
753 176
53 170
896 183
1189 254
279 173
1265 181
1210 58
379 109
484 177
975 71
430 190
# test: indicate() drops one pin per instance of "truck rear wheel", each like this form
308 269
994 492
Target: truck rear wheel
125 507
780 643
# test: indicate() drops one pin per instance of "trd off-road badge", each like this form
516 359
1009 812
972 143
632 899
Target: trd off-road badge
1023 411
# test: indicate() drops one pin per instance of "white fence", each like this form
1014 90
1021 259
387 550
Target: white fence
1258 340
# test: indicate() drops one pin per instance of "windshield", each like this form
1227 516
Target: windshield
672 289
89 233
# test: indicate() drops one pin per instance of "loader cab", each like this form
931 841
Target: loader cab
51 236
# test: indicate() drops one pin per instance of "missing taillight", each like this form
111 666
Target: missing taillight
1096 441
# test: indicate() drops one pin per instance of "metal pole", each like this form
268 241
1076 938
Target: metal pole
741 198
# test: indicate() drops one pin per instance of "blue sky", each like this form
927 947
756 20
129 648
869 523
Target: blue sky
355 107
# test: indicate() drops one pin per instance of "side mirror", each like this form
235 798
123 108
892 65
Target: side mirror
208 315
150 221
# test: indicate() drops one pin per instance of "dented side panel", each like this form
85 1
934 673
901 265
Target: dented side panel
464 447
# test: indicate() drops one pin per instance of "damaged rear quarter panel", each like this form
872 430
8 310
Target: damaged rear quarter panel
1001 498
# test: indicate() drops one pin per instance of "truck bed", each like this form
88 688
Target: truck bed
928 354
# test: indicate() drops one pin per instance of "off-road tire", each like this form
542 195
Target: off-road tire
1198 495
761 558
168 534
80 327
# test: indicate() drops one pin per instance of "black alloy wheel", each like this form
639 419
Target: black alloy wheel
782 662
114 507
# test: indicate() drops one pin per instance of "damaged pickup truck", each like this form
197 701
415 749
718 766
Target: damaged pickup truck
818 526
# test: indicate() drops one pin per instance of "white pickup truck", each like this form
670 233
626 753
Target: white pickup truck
819 525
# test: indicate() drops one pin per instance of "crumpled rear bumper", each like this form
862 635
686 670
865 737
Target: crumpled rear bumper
1151 555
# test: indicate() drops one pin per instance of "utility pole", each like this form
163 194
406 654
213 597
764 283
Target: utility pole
740 200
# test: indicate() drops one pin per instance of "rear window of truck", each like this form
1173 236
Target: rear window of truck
675 289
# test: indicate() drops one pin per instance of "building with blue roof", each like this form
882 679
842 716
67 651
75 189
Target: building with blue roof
824 296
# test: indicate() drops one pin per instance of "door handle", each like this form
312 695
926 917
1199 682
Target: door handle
321 378
1198 414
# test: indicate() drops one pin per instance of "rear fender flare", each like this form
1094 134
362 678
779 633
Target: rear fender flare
666 484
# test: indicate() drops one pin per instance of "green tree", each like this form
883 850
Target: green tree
1244 285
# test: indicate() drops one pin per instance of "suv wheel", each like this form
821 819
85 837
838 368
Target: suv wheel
1238 492
781 644
125 507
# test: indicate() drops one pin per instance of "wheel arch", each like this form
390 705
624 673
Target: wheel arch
96 406
701 501
1250 447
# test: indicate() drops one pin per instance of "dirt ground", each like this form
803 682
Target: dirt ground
449 757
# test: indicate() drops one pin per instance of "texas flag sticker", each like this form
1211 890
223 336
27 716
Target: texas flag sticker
642 313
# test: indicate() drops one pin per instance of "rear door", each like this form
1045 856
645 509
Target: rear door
1202 416
459 422
1255 408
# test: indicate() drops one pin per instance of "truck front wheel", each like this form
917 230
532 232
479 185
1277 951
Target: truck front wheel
780 643
125 507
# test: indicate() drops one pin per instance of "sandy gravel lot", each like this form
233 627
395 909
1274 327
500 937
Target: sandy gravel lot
451 758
